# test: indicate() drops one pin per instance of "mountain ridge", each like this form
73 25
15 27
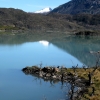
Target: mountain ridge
78 7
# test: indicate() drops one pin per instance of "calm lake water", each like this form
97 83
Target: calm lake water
19 51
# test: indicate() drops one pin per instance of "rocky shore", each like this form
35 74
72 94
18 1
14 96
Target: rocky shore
84 82
60 74
56 73
46 72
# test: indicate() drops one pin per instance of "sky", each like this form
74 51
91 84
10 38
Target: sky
31 5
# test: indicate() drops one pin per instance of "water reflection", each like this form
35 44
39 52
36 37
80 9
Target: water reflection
33 53
78 47
18 51
44 43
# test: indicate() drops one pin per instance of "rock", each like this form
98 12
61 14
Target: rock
41 74
54 77
26 70
55 70
46 69
48 75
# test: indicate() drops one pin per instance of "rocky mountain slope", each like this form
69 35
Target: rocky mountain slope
78 7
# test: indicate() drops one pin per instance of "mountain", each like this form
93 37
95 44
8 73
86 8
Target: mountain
79 6
44 11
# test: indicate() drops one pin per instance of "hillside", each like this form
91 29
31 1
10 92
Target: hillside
17 19
79 7
88 21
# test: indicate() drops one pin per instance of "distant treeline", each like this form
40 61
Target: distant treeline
83 18
16 19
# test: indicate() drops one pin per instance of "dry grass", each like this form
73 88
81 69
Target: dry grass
95 82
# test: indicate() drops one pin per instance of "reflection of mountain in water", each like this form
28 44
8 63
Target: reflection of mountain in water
80 48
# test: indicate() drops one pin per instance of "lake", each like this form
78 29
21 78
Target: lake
18 51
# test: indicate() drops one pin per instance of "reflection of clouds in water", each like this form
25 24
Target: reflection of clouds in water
44 43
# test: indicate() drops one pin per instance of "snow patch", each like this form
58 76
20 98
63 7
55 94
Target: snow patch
45 10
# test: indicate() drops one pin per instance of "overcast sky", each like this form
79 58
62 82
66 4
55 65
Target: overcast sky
31 5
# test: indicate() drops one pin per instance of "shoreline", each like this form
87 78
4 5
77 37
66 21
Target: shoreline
77 77
66 32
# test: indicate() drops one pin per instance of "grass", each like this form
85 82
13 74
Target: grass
82 73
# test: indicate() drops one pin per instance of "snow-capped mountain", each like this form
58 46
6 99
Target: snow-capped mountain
44 11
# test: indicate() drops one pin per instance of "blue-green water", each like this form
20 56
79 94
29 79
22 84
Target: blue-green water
16 54
33 53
